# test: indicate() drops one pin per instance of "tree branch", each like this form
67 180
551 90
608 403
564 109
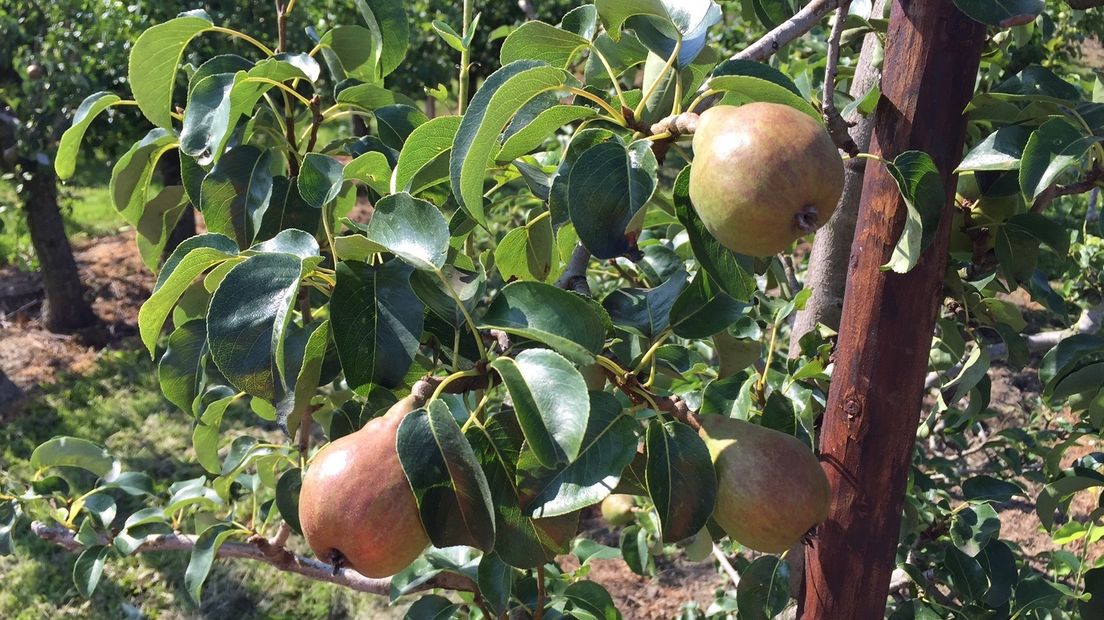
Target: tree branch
802 22
287 562
838 128
1090 182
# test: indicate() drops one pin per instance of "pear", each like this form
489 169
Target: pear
764 175
617 509
771 489
356 500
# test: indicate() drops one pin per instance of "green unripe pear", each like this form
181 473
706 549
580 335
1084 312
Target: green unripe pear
764 175
617 509
356 500
771 489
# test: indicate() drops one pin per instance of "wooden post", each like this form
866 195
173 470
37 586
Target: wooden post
931 62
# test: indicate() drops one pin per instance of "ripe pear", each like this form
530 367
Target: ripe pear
771 489
356 500
764 175
617 509
34 71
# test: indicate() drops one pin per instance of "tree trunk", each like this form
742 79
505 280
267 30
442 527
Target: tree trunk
827 274
10 395
65 308
931 63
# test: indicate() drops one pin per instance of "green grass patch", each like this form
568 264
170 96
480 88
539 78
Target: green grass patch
119 405
87 211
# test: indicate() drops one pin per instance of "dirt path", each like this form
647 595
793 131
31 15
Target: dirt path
118 283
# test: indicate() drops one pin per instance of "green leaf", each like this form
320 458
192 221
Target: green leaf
396 122
73 452
1055 147
590 601
732 272
89 568
451 489
1042 229
702 309
207 118
372 169
191 258
550 398
1002 13
621 55
550 315
527 252
676 19
368 97
320 179
607 448
540 41
448 35
1000 565
522 140
1000 150
159 218
741 89
1037 82
607 188
645 312
247 319
1094 585
763 591
495 579
65 162
967 575
304 354
412 229
203 556
922 190
387 19
469 286
287 497
206 435
680 478
180 369
236 193
972 528
355 50
377 322
502 94
153 62
132 174
989 489
973 371
520 541
636 550
424 146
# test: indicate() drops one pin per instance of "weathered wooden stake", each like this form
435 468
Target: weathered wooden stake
866 444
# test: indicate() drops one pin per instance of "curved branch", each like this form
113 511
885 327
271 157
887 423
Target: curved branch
838 128
281 559
794 27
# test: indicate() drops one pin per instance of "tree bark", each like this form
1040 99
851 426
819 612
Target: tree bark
65 308
827 274
866 444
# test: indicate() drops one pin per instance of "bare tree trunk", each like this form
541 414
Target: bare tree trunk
827 274
873 409
65 308
10 395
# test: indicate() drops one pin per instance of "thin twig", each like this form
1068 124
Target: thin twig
316 121
287 562
726 565
1091 181
838 128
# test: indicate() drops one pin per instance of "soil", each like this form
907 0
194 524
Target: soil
116 281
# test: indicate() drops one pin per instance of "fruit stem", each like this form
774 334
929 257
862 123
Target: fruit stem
449 379
467 316
650 353
613 77
761 386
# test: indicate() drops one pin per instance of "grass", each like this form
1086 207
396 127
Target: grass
119 405
87 211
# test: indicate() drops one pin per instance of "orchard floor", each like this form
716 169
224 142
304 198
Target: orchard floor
100 386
